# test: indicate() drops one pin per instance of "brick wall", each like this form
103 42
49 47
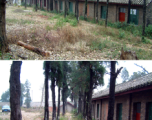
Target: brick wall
143 97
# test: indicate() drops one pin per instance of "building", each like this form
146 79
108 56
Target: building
117 11
68 107
133 100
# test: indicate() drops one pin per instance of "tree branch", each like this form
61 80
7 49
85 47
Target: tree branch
142 68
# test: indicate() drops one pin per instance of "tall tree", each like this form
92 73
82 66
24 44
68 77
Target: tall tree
125 75
22 94
5 97
15 90
48 5
3 39
86 5
129 5
65 9
113 76
25 4
77 10
137 75
97 11
46 108
27 94
144 18
36 5
107 13
65 89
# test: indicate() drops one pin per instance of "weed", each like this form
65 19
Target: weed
81 17
44 13
63 118
48 28
148 31
73 22
146 41
121 34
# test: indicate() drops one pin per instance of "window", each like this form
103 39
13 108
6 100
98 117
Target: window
97 110
149 111
136 111
119 111
61 5
103 12
70 7
134 13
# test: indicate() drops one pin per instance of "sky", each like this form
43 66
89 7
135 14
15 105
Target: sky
33 71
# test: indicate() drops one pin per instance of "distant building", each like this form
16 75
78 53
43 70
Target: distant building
133 100
118 9
68 107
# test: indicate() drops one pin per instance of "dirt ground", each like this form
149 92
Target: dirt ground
25 116
39 29
30 116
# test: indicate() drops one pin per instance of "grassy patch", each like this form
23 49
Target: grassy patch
21 21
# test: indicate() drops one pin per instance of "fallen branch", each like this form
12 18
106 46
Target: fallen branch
34 49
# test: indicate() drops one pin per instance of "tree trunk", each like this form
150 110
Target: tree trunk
97 11
112 91
53 99
47 5
36 6
89 95
65 13
129 5
80 104
77 9
46 108
84 105
107 14
144 18
25 3
15 90
85 14
63 98
58 113
3 39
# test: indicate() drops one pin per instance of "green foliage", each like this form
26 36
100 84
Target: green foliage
80 117
137 75
5 96
34 7
146 41
121 34
81 17
23 4
125 74
148 31
74 111
44 13
63 118
27 86
73 22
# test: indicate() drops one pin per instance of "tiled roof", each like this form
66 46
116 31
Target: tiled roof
133 2
130 85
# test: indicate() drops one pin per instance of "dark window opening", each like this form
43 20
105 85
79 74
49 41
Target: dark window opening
149 111
103 12
97 110
119 111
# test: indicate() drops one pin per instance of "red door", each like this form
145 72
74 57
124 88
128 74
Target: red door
122 15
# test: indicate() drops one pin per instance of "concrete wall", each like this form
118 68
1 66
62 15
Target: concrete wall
143 97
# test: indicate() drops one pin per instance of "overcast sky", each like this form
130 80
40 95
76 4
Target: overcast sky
33 71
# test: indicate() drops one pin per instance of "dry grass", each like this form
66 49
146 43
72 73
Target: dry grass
85 38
